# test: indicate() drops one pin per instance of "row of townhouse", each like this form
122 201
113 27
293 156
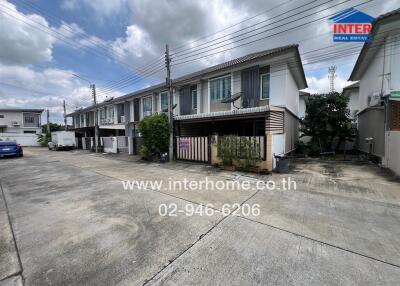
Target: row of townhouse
267 86
255 95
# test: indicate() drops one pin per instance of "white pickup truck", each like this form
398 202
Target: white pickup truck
62 140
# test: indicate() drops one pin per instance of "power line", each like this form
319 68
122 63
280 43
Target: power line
251 26
231 26
192 54
64 38
268 36
115 53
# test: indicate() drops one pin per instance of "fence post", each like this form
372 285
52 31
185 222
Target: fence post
130 145
214 150
115 144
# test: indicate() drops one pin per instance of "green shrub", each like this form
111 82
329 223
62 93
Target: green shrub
44 139
155 133
250 152
241 150
226 149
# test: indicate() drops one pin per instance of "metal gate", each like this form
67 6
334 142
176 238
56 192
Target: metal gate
195 149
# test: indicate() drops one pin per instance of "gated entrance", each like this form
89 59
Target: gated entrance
193 148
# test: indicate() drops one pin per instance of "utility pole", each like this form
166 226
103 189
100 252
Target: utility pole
65 116
331 77
96 124
171 103
48 121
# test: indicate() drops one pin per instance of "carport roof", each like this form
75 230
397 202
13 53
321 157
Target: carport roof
229 113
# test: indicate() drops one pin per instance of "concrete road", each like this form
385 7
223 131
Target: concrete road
66 220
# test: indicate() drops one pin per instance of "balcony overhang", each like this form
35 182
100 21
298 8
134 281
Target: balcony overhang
113 126
229 114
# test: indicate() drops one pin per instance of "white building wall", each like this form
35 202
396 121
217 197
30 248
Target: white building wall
371 80
392 154
277 89
393 61
9 118
292 93
14 116
353 102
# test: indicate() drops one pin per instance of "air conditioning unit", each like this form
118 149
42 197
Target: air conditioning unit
15 123
122 118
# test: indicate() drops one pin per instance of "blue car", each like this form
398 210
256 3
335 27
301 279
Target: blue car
9 148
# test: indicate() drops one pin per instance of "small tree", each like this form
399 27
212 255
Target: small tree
241 150
250 152
327 118
45 137
227 149
155 133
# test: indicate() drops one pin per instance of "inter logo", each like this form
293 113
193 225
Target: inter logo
352 25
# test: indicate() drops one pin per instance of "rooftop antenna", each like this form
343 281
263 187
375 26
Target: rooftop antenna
332 76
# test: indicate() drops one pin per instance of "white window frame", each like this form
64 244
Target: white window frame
160 101
191 94
261 86
142 107
217 78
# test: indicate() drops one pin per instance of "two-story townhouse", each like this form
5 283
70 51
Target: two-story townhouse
378 71
21 125
255 95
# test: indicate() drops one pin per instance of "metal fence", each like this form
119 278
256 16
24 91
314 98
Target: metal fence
195 149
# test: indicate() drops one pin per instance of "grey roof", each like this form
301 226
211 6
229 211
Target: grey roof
220 67
244 59
375 24
22 110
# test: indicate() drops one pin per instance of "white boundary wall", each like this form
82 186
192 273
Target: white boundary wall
392 151
24 139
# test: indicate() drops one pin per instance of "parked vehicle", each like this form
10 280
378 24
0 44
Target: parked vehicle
62 140
10 148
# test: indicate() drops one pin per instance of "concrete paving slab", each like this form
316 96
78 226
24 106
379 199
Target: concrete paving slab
357 225
12 281
9 264
347 179
97 234
243 252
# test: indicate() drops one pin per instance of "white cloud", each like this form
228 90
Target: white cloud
25 87
20 43
322 85
136 44
104 8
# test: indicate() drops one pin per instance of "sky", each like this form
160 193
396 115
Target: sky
51 51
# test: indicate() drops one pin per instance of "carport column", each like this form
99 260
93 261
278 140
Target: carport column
268 146
214 150
130 145
83 143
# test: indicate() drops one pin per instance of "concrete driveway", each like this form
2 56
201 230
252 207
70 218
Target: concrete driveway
65 219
